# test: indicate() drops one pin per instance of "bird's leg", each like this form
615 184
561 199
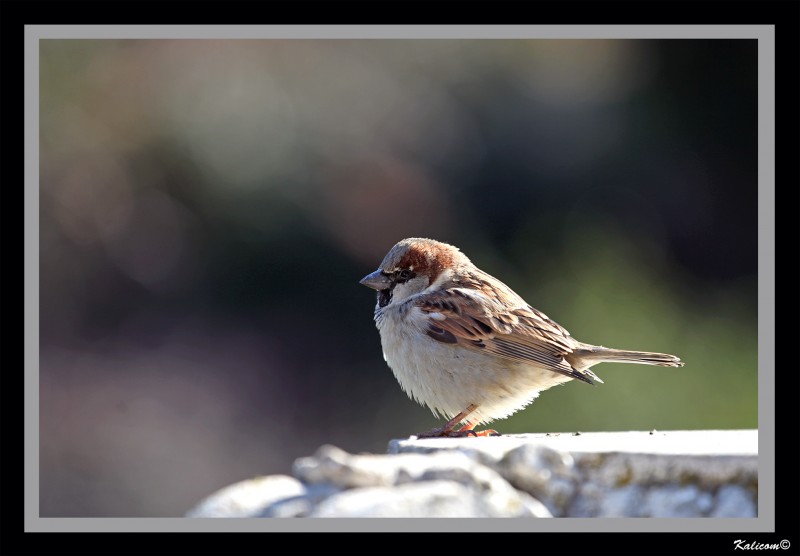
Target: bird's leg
447 429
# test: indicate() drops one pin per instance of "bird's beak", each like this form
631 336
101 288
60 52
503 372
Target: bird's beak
376 281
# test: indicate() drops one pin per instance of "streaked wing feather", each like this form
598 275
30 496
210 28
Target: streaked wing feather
478 322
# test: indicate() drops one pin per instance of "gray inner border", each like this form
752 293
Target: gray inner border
765 34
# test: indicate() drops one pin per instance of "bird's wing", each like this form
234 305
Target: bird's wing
481 321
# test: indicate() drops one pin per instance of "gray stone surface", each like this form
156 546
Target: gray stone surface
734 501
428 498
248 498
677 501
632 474
544 473
301 505
332 465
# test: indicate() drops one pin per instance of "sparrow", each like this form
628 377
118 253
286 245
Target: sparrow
465 345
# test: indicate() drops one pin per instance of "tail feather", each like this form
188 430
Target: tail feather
598 354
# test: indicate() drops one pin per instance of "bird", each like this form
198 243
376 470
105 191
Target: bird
464 344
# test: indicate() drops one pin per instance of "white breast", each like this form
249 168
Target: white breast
446 377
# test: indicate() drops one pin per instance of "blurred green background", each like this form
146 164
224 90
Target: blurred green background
208 207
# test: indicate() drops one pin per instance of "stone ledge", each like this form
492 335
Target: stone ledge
628 474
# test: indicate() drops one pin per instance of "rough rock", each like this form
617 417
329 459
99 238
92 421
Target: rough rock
547 475
734 501
633 474
429 498
248 498
335 466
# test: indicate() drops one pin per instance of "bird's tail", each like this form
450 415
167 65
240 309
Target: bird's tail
599 354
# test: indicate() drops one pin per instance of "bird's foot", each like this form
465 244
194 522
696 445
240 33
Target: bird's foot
469 429
446 431
439 433
487 432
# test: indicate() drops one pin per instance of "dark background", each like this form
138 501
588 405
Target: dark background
208 207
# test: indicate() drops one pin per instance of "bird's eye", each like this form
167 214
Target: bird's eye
405 274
